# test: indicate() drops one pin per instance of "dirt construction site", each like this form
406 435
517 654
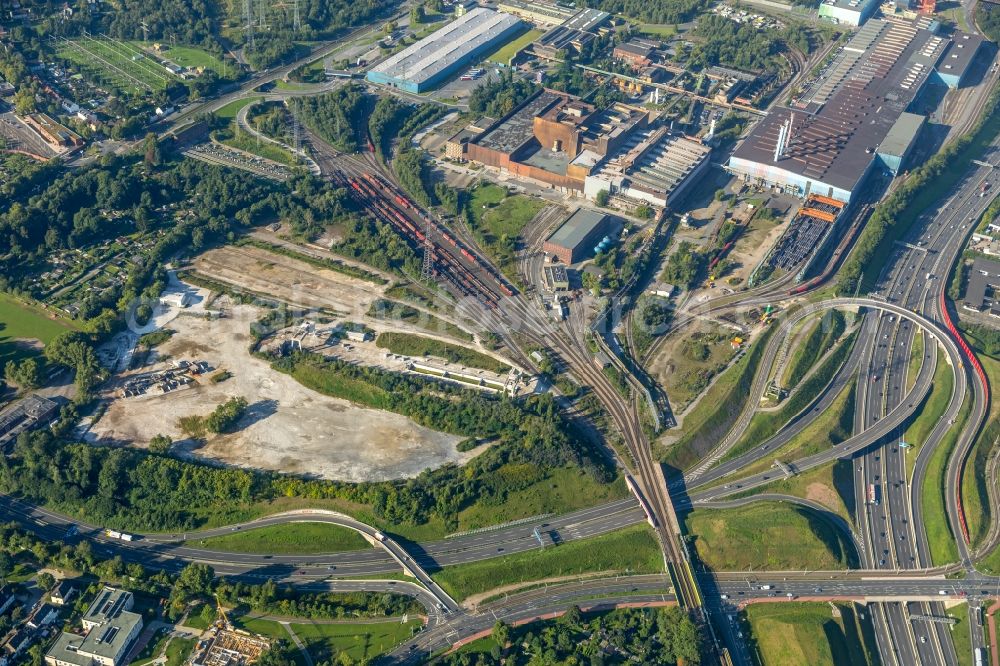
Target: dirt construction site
287 427
287 279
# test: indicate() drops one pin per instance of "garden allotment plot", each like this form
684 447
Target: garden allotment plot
117 64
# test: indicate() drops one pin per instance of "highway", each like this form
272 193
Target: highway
897 574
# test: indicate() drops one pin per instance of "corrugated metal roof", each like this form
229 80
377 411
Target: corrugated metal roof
441 49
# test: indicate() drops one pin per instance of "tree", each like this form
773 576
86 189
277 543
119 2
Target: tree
226 415
46 581
6 564
417 15
24 101
72 350
160 444
501 633
25 374
194 581
151 150
601 199
644 212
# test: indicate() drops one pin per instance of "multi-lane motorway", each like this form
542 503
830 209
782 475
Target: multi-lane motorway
893 547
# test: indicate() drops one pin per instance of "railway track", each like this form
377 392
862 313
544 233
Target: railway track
467 273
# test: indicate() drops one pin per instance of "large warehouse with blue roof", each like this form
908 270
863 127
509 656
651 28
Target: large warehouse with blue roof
432 60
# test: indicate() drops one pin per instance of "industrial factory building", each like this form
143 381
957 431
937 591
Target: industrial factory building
577 237
847 12
851 118
542 138
656 169
900 139
440 56
957 59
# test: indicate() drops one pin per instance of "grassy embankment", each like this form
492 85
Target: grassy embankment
810 634
709 421
288 539
831 427
822 333
941 540
765 425
386 309
768 536
632 549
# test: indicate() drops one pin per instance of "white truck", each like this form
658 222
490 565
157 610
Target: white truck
379 536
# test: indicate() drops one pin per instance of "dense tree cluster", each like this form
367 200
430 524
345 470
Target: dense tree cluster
225 416
726 42
414 175
498 97
269 599
647 636
270 49
338 116
78 208
988 20
660 11
684 266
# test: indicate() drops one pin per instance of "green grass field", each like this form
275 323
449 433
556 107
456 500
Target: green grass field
975 494
930 413
831 485
503 55
498 220
916 360
768 536
361 642
657 29
21 321
230 110
961 634
809 634
288 539
178 650
245 142
408 344
939 536
191 56
633 549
